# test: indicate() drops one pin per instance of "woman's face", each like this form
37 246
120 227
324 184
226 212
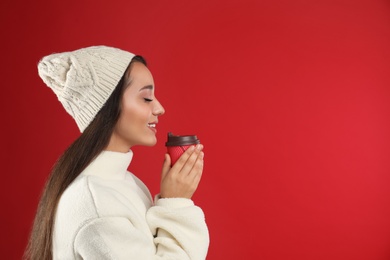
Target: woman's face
139 111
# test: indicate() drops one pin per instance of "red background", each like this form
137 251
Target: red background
290 98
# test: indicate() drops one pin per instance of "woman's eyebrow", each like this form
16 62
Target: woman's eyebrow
150 87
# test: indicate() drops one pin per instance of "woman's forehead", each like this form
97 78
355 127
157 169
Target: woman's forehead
139 75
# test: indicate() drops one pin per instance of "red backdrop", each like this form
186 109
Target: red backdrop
290 98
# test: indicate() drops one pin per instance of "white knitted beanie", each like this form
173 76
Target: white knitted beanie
84 79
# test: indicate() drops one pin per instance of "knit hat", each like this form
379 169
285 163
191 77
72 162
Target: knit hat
84 79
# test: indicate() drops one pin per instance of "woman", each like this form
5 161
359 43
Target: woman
92 207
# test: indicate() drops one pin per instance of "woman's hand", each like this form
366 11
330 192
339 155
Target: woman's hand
183 178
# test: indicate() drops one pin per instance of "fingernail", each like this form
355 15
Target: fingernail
199 146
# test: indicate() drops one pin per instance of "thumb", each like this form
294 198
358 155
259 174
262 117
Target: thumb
166 166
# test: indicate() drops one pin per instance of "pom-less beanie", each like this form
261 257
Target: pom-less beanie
84 79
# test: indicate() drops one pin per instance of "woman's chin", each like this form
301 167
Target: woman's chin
151 142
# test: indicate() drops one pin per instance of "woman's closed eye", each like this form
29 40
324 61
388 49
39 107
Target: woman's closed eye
148 100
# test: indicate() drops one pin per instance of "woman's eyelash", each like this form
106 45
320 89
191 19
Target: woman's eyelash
148 99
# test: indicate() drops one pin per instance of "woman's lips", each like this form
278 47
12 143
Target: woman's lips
152 126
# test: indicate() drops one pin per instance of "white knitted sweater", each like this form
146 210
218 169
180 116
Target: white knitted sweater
108 213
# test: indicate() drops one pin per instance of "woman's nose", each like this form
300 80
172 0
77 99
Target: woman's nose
158 109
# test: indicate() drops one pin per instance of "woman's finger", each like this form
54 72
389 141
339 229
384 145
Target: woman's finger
166 166
187 167
183 159
197 170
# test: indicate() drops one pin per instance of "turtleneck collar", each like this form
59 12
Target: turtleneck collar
109 165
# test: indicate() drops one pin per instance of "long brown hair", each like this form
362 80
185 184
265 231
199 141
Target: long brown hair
72 162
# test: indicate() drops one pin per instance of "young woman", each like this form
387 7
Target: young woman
92 207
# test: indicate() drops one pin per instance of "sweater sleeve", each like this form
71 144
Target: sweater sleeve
180 227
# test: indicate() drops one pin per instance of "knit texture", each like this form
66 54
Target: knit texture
84 79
